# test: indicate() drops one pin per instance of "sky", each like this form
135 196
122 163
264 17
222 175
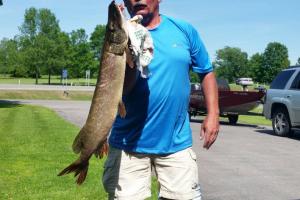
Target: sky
247 24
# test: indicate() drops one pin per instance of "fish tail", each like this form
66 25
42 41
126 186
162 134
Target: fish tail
80 169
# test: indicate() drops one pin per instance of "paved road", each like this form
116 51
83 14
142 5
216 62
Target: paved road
246 162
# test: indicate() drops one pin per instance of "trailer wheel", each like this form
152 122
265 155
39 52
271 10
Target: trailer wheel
233 119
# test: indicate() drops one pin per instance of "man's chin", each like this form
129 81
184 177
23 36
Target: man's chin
141 12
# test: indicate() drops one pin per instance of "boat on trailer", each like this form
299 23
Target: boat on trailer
231 103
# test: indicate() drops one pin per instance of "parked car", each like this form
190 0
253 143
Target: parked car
282 101
231 103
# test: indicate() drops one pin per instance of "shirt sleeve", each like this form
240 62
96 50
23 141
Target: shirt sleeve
200 59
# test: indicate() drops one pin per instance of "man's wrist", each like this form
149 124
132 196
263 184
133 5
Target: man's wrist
213 113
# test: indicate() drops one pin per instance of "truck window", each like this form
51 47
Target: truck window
296 82
281 79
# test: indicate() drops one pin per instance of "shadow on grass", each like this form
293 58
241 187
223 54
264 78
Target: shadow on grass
295 133
10 104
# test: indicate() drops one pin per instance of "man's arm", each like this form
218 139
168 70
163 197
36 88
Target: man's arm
210 125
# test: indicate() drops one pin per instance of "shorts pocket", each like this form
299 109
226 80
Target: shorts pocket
192 154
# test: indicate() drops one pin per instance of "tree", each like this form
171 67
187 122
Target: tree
97 39
82 58
30 57
14 65
4 57
255 68
275 59
29 26
231 63
47 23
45 48
63 48
28 41
43 43
298 62
48 40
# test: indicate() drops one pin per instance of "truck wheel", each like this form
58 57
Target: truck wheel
281 122
233 119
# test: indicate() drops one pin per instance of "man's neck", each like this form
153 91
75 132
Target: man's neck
152 21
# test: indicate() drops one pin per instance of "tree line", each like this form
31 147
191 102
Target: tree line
232 63
42 48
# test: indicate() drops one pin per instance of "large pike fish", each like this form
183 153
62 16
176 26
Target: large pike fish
107 95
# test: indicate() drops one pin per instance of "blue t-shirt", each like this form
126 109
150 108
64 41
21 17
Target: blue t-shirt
157 119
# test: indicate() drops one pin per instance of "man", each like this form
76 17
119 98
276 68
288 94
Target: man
156 132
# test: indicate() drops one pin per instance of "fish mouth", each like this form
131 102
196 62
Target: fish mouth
116 30
115 16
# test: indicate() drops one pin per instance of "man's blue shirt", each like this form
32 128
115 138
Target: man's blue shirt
157 119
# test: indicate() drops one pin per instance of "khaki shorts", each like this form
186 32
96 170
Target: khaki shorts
127 176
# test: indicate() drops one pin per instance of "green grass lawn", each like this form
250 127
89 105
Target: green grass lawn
254 120
55 80
35 146
45 95
255 117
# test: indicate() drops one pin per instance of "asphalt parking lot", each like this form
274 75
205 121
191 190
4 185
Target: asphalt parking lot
247 162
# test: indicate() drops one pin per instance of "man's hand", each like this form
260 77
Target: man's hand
210 125
209 130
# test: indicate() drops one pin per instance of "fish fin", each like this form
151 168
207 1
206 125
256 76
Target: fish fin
79 168
102 150
122 109
77 144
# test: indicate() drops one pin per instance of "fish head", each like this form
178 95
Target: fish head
116 30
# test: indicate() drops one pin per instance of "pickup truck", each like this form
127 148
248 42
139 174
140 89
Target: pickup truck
231 103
